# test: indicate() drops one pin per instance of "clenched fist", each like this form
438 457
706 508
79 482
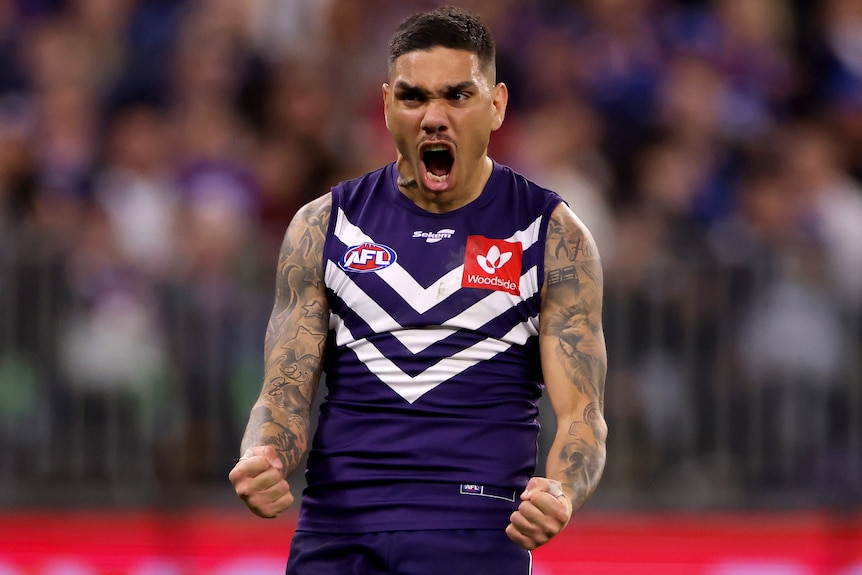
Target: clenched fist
543 512
259 481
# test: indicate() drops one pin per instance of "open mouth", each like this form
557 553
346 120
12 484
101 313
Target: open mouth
438 160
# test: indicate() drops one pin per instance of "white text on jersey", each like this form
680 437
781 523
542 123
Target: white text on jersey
434 237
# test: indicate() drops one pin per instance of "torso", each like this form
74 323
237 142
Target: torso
432 365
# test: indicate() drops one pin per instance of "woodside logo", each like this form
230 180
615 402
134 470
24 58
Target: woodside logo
492 264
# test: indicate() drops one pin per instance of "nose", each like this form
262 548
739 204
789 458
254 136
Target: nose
435 118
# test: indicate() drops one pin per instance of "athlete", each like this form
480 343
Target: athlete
440 295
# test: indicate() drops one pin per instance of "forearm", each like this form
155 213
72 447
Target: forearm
286 430
577 456
281 416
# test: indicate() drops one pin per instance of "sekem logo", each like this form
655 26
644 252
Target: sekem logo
367 257
492 264
434 237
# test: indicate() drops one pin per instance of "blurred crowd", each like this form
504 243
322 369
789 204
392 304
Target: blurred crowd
152 153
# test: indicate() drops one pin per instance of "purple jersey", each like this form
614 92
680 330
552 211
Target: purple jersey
432 362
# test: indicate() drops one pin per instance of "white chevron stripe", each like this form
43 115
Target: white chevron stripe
380 321
412 388
422 299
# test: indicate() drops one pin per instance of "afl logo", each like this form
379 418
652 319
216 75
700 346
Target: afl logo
367 257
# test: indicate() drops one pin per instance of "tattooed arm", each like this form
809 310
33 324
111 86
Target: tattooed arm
574 363
574 359
276 436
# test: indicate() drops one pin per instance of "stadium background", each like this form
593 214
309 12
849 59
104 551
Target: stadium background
153 151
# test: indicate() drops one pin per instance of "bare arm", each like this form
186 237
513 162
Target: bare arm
574 363
574 358
276 436
295 339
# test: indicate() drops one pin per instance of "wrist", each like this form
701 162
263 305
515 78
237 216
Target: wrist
556 489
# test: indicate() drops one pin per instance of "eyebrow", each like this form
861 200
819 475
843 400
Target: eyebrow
402 86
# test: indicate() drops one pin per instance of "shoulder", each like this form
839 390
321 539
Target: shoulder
306 234
314 214
319 207
566 228
571 260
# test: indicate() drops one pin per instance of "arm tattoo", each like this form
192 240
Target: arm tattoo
287 437
582 458
295 341
571 327
573 286
579 341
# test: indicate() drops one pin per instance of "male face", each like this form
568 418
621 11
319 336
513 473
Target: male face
441 108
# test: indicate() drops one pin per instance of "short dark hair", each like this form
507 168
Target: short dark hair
445 27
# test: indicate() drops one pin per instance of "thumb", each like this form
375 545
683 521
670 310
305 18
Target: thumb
271 455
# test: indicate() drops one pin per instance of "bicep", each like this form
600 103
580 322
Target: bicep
571 339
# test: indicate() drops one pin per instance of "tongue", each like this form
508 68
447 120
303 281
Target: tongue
438 164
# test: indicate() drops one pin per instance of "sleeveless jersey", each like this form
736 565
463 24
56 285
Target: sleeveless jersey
432 361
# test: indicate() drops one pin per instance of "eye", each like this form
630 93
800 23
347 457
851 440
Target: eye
411 96
459 96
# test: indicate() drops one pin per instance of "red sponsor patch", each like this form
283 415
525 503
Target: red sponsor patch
492 264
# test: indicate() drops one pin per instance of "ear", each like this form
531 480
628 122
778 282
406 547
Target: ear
386 90
500 99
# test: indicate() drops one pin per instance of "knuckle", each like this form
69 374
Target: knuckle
244 490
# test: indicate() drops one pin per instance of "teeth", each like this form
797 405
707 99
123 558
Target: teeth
437 148
436 178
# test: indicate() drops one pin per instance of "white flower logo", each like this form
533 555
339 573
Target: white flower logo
494 260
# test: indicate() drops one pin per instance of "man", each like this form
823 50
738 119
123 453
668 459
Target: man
444 289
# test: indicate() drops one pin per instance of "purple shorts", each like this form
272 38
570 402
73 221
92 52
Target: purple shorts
432 552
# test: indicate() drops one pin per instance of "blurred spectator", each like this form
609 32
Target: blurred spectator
748 43
150 39
103 25
300 150
559 146
839 65
112 344
112 350
659 278
65 104
692 104
208 300
12 77
790 330
618 58
290 171
136 187
289 30
832 201
21 375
